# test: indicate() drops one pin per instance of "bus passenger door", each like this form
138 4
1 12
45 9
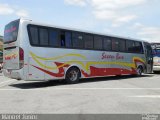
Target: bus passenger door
149 57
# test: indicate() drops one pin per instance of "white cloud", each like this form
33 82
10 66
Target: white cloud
108 31
114 11
122 20
126 18
76 2
137 26
152 34
5 9
104 14
22 13
115 4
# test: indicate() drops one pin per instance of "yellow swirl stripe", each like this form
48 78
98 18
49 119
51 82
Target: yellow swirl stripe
85 67
35 57
138 58
111 63
89 63
81 63
58 57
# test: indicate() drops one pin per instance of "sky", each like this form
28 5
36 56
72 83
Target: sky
138 19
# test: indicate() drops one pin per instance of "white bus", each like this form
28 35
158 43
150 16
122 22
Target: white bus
36 51
156 57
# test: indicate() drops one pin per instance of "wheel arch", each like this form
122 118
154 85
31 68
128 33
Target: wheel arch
141 65
73 66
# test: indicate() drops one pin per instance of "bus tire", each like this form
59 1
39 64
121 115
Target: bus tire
156 72
72 75
139 71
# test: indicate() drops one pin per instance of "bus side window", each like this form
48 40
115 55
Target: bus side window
77 40
65 39
43 36
122 45
68 38
115 44
130 46
62 38
107 43
98 42
53 38
88 41
33 35
138 47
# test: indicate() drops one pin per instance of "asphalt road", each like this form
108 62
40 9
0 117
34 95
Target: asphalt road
116 95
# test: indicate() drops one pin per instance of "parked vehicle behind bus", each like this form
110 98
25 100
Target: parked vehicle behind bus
36 51
156 57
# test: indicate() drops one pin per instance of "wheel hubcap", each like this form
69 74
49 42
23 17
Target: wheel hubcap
73 75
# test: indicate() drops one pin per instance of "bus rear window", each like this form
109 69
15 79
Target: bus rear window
11 31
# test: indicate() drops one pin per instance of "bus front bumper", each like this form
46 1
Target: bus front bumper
156 68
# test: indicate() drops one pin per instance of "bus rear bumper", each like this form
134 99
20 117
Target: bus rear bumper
156 68
16 74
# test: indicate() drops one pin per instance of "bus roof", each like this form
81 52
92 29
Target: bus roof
155 45
78 30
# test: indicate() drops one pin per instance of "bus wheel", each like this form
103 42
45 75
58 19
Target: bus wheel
139 71
72 75
156 72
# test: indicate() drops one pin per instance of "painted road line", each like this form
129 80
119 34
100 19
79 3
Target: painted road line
146 96
46 89
106 88
2 84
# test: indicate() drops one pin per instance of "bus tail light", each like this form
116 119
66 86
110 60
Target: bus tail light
21 57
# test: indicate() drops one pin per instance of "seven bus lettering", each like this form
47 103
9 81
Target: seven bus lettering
117 56
105 56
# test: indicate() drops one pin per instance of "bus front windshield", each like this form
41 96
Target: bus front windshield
11 32
156 52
